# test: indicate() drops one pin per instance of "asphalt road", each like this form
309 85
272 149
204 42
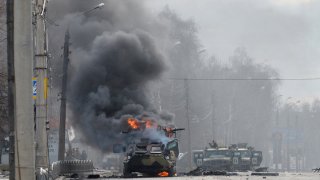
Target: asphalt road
244 176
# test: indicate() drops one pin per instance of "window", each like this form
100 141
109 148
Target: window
171 145
155 149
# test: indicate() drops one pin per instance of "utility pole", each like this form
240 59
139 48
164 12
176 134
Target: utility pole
11 88
22 89
40 73
296 144
288 141
62 126
277 144
186 84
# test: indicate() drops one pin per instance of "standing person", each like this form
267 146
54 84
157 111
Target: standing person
213 144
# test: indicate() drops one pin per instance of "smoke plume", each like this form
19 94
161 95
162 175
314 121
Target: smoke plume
114 57
111 85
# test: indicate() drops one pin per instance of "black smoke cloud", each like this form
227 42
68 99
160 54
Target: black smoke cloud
111 85
114 57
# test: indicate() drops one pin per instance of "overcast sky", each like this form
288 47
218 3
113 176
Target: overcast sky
282 33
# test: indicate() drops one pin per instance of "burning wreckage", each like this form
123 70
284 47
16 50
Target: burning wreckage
151 149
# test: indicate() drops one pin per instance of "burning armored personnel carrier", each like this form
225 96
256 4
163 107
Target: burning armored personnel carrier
151 156
237 157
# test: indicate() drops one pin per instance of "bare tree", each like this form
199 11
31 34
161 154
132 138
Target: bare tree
300 123
229 111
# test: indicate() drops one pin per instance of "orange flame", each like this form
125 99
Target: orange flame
133 123
163 174
149 124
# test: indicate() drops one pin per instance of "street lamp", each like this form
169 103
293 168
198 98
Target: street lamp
62 126
99 6
202 51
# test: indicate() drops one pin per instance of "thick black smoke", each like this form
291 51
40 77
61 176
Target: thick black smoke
110 85
114 57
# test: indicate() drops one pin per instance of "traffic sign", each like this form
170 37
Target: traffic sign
34 88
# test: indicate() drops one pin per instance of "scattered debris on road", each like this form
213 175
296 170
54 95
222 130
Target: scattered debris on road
316 170
202 172
264 174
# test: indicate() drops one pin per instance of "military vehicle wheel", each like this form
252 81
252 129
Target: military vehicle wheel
172 172
126 171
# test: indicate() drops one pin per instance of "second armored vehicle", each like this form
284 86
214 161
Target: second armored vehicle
217 159
234 158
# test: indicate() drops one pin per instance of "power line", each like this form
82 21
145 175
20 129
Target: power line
49 21
247 79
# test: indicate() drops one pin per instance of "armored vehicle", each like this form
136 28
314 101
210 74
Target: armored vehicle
218 159
245 158
241 159
154 156
256 159
198 157
151 158
237 157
